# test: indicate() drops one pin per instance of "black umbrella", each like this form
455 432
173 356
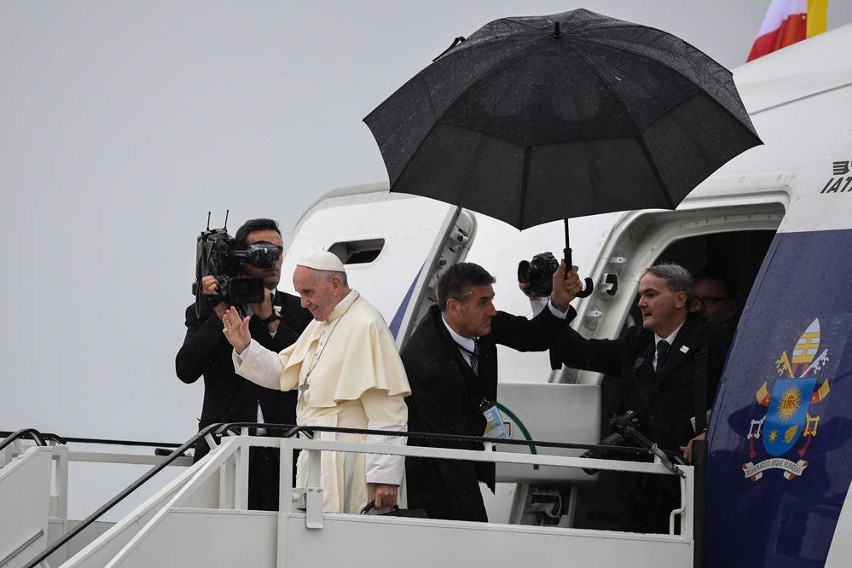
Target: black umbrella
534 119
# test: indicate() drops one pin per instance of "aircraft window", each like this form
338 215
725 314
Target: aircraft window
358 252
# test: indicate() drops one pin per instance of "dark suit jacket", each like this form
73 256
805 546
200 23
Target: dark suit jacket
664 401
229 397
445 399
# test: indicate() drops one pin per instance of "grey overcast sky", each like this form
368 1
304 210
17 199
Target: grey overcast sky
123 123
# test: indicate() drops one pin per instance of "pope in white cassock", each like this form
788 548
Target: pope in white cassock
349 375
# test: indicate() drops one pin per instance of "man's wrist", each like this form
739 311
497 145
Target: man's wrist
241 353
220 309
272 318
561 307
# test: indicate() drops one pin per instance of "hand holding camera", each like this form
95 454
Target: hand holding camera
535 276
210 290
545 276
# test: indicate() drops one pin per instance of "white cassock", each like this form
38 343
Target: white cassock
351 376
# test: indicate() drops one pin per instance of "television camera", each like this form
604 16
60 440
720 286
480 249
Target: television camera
218 254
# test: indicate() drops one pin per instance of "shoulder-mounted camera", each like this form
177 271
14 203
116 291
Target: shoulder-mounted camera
218 254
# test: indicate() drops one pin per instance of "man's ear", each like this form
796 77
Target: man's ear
452 310
336 284
451 305
680 299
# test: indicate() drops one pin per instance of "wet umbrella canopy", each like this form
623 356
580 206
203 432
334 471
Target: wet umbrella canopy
534 119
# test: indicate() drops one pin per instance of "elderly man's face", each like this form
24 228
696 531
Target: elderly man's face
662 309
318 295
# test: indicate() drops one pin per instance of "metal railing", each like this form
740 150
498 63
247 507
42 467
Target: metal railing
217 430
41 439
10 438
167 460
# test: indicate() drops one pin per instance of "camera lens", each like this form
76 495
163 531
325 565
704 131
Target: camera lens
262 255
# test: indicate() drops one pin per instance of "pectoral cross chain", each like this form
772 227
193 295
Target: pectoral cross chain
302 388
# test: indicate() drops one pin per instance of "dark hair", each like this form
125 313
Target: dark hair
457 280
714 273
677 278
253 225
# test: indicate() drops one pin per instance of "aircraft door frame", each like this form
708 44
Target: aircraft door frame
641 239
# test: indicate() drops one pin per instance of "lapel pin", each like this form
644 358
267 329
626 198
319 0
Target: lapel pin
684 349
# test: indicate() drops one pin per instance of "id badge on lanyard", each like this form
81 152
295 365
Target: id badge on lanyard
494 425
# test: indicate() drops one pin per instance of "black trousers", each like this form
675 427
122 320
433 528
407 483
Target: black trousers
649 501
264 465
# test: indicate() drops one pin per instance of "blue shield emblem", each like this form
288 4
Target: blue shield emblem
787 411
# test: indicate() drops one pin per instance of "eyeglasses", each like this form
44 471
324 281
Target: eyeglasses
709 301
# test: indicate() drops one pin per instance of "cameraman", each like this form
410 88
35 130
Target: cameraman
275 323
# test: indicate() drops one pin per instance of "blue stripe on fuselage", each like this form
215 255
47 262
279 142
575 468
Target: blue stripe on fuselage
785 513
396 321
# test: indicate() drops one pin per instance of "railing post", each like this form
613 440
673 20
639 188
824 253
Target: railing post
57 518
285 476
241 476
699 453
313 491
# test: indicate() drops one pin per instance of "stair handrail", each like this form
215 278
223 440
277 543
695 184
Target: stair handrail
25 433
175 454
223 428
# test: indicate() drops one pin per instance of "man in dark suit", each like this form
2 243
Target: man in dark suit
717 301
661 364
276 323
451 362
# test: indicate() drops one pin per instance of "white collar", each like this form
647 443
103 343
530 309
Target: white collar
466 343
342 307
671 337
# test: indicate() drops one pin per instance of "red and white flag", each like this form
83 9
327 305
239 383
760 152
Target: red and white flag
789 21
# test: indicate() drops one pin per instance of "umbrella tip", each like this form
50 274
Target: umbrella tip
556 32
458 40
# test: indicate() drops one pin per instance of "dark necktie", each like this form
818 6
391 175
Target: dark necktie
474 357
662 351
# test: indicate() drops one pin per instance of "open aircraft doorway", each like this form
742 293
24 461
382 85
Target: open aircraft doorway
729 241
733 238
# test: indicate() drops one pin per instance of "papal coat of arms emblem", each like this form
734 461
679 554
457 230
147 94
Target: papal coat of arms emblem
783 431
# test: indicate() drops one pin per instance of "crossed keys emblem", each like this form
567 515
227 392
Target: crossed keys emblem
787 418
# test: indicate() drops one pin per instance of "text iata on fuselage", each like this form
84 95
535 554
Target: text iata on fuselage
840 180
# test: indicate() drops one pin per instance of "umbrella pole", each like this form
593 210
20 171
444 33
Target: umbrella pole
588 285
